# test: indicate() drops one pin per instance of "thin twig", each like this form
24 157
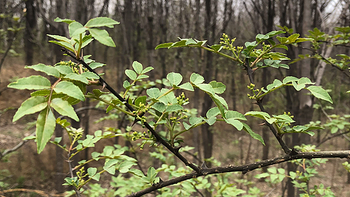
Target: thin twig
332 136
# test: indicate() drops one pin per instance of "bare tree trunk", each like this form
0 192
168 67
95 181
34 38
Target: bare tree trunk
59 162
305 105
29 31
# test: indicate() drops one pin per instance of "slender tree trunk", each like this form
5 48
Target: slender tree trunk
29 32
59 162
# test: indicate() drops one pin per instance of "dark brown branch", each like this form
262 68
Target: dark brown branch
246 168
259 102
19 145
8 48
154 133
331 137
328 62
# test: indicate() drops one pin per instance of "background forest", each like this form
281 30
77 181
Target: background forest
144 24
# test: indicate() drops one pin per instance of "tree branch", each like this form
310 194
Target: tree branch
154 133
259 102
246 168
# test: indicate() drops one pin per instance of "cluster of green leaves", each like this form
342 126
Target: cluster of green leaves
72 79
318 37
300 178
60 96
161 107
78 37
225 184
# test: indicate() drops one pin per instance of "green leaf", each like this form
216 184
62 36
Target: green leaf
235 115
174 78
211 120
218 87
68 21
289 79
282 40
69 89
95 155
164 45
44 92
73 26
30 106
140 99
45 126
60 38
169 98
102 36
303 40
284 118
159 106
151 174
100 22
31 137
258 114
174 107
153 93
49 70
86 40
76 77
131 74
261 37
126 84
142 77
136 172
276 83
282 46
64 69
206 88
235 123
90 75
220 103
252 133
196 79
34 82
110 166
213 112
292 38
274 33
320 93
146 70
95 65
64 108
91 171
137 67
125 166
216 47
181 43
77 32
195 120
63 44
186 86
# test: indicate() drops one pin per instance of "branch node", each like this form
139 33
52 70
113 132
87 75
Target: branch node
293 152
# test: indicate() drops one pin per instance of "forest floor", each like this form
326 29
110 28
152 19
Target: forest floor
24 168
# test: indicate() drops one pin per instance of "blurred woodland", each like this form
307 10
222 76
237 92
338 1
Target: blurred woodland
24 25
